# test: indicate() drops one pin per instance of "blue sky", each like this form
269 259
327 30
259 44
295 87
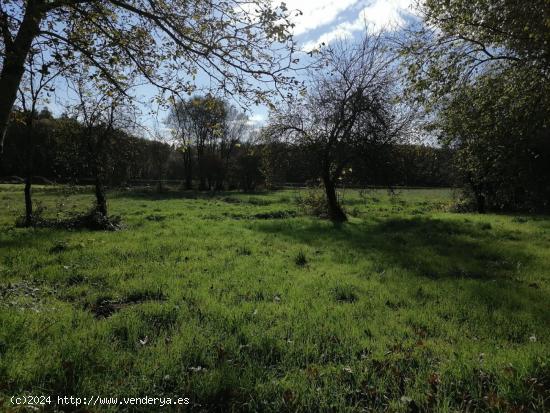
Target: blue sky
323 21
320 21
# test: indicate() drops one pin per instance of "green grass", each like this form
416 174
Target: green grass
242 303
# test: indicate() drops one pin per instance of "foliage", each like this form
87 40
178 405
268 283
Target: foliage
300 259
242 46
312 201
499 128
208 131
60 155
459 39
481 70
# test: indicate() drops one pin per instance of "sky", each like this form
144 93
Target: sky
320 21
323 21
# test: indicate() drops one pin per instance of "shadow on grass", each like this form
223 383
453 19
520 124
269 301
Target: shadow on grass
446 251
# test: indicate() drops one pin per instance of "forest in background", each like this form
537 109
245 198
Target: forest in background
63 155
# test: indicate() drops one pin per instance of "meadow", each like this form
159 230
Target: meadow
241 302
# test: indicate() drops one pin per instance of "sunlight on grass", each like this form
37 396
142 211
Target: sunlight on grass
240 301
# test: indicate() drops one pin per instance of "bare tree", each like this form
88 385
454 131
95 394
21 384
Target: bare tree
350 104
41 73
102 110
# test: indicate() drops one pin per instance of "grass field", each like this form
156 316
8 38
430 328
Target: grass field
242 303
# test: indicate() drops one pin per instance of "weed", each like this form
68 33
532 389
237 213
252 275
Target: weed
345 293
300 259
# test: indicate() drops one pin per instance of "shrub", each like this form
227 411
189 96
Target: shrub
313 202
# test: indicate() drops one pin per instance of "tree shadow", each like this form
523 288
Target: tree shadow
448 251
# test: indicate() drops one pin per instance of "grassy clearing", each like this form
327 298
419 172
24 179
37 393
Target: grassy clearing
242 303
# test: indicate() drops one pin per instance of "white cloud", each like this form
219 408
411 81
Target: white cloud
316 13
378 15
257 119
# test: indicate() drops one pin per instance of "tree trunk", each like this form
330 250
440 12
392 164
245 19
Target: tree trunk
478 195
160 186
28 201
335 212
201 169
202 184
101 199
480 203
188 171
14 63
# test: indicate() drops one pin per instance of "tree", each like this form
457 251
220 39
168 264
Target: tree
241 45
482 69
235 130
500 131
208 129
197 123
40 75
101 109
247 168
182 131
458 40
159 153
349 104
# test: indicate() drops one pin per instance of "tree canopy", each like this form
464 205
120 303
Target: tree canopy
242 46
482 70
457 40
349 104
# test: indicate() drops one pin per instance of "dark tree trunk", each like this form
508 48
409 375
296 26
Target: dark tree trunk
160 185
201 169
480 203
335 212
14 63
202 183
98 160
478 195
189 172
28 201
101 199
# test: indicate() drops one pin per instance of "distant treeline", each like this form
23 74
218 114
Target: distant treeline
62 154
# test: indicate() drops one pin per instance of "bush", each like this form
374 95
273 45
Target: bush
313 202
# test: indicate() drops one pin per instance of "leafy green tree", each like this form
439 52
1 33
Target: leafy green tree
500 131
197 124
482 70
207 129
457 40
